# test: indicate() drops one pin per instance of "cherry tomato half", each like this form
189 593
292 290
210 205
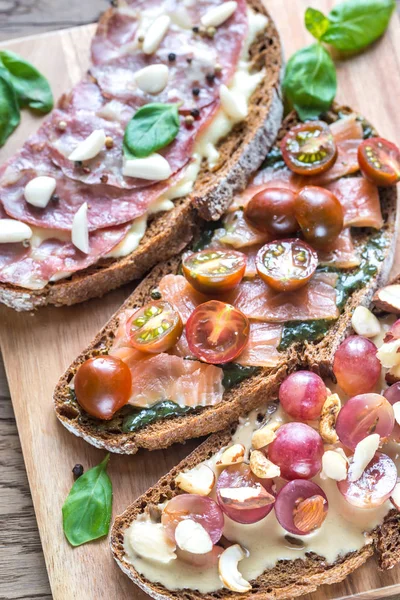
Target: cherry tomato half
272 211
214 271
319 214
286 265
155 327
103 385
309 148
379 161
217 332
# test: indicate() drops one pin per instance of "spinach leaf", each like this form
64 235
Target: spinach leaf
31 87
310 81
9 109
316 22
235 373
152 127
354 24
87 509
146 416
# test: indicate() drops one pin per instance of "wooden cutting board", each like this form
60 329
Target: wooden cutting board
38 347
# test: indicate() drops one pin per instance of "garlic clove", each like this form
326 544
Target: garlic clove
155 34
217 15
39 190
12 231
154 167
152 79
365 323
90 147
80 230
233 104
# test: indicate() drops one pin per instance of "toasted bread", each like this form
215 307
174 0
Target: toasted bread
241 153
241 398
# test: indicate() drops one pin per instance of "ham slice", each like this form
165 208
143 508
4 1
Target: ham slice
340 253
360 201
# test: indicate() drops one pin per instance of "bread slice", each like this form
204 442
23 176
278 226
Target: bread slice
241 152
287 579
245 396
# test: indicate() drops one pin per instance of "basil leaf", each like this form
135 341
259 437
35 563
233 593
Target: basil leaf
310 81
152 127
357 23
31 87
316 22
87 509
9 109
162 410
235 373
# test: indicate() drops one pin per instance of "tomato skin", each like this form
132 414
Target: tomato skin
217 332
320 215
206 276
272 211
161 342
379 161
309 148
286 265
103 385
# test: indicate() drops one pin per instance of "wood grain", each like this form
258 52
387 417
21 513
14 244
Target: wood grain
37 348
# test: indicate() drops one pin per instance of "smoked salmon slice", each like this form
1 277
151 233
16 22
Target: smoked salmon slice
347 128
176 290
262 346
238 233
341 253
360 201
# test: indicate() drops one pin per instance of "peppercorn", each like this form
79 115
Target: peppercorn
62 125
155 294
210 77
86 170
78 163
196 29
195 113
189 120
141 38
211 31
217 69
109 143
77 471
104 178
196 91
55 198
171 56
189 60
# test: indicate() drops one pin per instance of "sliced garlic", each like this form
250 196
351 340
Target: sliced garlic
363 454
154 167
192 537
90 147
155 34
365 323
80 230
199 480
152 79
334 466
218 14
232 456
39 190
14 231
233 104
396 410
150 541
228 569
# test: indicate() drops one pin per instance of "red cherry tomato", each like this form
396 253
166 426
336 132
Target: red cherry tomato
319 214
379 161
309 148
103 385
214 271
272 211
286 265
155 327
217 332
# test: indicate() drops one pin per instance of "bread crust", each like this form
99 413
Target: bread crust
242 152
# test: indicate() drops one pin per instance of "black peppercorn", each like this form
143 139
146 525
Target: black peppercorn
189 60
196 91
55 198
210 78
195 29
195 113
77 471
155 294
171 56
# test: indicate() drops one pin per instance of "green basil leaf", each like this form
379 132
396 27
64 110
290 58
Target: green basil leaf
9 109
357 23
162 410
87 509
31 87
310 81
316 22
152 127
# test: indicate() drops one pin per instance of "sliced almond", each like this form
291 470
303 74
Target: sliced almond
228 569
365 323
395 497
192 537
89 147
363 454
309 514
264 436
232 456
388 298
199 480
249 498
393 375
389 354
150 541
217 15
334 466
327 423
262 467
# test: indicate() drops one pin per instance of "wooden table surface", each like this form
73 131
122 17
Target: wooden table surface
22 569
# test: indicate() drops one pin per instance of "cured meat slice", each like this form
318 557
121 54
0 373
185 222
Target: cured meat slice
262 346
347 128
53 258
316 300
360 201
186 382
238 233
341 253
346 163
176 290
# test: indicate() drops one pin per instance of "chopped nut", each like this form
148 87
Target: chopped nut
388 298
365 323
264 436
393 375
327 423
363 454
309 514
199 480
232 456
262 467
